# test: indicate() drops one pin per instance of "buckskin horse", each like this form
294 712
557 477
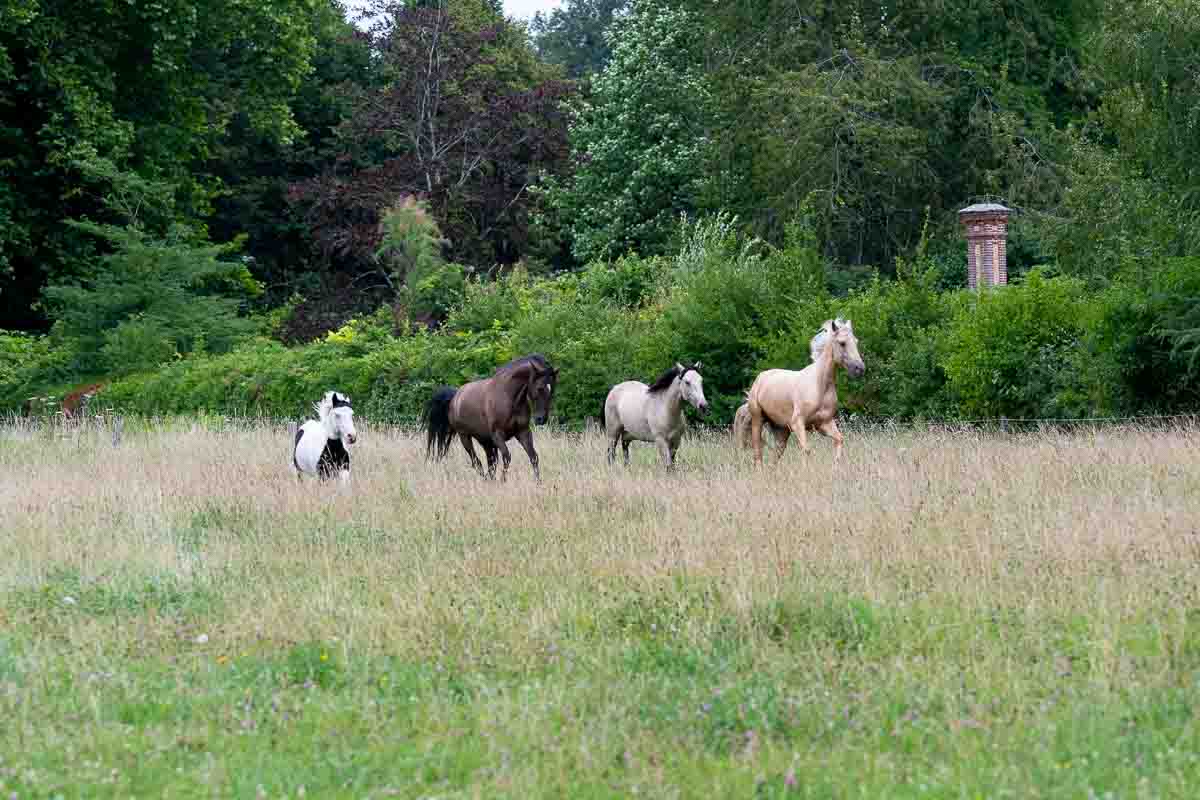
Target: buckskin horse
634 411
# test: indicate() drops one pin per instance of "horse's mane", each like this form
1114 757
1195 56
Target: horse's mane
665 380
331 400
536 359
818 343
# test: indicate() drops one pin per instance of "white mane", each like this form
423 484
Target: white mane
817 345
325 404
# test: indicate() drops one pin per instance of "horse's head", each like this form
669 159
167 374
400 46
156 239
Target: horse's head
692 385
838 334
845 347
338 416
541 392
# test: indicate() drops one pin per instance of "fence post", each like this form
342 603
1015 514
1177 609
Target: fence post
1004 424
117 429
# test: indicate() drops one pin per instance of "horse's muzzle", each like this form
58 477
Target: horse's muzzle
858 370
351 438
703 409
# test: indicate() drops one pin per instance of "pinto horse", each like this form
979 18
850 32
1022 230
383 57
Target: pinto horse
320 447
797 402
492 411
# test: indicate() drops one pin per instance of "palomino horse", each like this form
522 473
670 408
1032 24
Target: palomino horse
493 410
635 411
321 443
796 402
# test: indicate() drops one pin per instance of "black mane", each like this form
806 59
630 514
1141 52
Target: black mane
665 380
536 359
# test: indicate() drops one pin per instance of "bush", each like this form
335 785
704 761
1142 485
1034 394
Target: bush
1043 346
1013 352
1131 364
32 366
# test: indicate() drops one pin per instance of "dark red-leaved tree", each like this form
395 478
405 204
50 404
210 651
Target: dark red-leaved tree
465 119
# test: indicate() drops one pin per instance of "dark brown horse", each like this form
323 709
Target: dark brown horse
493 410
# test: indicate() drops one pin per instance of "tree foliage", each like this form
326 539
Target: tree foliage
464 118
640 142
151 301
95 94
427 190
573 35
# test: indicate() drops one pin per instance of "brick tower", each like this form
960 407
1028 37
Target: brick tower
986 227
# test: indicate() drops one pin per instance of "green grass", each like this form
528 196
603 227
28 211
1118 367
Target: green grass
946 617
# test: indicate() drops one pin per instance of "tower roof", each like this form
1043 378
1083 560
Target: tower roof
985 208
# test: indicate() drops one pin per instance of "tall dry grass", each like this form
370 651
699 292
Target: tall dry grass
985 569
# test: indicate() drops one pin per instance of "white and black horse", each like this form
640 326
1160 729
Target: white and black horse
321 443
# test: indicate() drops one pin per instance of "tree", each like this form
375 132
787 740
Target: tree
256 172
1134 167
572 35
96 94
464 119
151 300
868 113
639 144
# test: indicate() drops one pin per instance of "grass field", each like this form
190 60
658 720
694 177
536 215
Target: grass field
954 616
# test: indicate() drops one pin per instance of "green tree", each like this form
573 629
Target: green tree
572 35
94 94
151 300
640 143
1134 169
868 113
257 171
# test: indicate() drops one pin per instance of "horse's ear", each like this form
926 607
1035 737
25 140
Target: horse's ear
678 367
833 325
696 366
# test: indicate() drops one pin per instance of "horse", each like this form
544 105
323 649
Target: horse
493 410
634 411
796 402
320 447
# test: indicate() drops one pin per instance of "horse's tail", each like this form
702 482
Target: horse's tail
741 426
437 421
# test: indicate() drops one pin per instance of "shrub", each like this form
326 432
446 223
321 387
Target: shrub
1012 351
32 366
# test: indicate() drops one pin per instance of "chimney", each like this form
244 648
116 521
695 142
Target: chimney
986 228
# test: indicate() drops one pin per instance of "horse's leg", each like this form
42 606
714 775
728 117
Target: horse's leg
664 450
800 428
489 450
625 446
502 446
469 446
782 435
612 444
830 429
525 437
756 426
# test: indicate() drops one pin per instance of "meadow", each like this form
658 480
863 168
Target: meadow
948 615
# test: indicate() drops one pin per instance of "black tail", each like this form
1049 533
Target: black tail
437 420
